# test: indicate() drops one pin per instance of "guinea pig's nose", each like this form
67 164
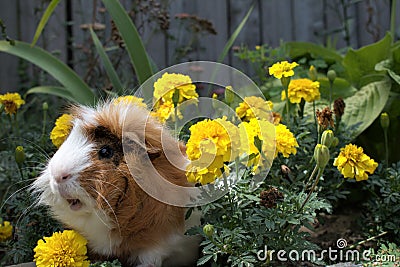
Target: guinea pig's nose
62 178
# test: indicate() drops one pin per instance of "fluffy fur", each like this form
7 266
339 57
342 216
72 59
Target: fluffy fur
98 197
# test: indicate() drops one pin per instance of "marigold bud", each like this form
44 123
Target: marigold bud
208 230
321 155
385 121
312 73
335 142
327 138
229 94
45 106
331 75
19 155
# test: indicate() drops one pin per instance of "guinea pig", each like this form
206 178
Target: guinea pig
89 187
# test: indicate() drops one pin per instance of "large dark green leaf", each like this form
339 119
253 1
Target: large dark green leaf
361 62
300 49
365 106
79 90
131 37
52 90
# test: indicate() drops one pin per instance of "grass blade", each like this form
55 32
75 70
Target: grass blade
112 74
43 21
52 90
80 91
131 37
234 36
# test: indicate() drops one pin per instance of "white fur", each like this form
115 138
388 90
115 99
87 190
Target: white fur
73 157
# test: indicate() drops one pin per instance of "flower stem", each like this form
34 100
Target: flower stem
385 133
320 171
287 108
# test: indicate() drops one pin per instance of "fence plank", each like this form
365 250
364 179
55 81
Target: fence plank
270 22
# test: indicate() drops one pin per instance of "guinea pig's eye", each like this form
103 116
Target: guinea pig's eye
106 152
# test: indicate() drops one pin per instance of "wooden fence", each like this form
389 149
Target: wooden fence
272 21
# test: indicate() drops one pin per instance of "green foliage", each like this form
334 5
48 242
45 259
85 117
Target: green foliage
43 21
133 42
388 255
112 74
361 63
365 106
234 35
384 202
60 71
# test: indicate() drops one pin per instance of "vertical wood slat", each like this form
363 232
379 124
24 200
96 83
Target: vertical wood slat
270 22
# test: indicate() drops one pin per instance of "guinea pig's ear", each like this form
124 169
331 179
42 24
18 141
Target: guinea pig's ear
153 152
132 143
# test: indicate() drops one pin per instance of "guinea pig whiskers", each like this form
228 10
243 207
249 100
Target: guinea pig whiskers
106 182
23 214
13 194
112 210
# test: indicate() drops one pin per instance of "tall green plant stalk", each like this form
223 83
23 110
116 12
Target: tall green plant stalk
393 19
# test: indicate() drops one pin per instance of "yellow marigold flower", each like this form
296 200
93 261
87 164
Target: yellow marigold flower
165 86
130 99
286 143
211 144
264 131
166 111
67 248
62 129
254 107
352 162
5 231
302 88
11 102
282 69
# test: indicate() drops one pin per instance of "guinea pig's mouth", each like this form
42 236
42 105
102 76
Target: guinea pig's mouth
74 204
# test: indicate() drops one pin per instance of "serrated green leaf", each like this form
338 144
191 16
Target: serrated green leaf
204 259
365 106
133 42
361 62
80 91
112 74
43 21
52 90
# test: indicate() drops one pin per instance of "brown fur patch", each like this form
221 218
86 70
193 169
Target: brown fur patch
142 221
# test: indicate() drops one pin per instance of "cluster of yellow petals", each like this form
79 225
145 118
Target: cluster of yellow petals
302 88
282 69
254 107
164 88
61 130
286 143
165 111
211 144
11 102
5 231
130 99
353 163
265 132
67 248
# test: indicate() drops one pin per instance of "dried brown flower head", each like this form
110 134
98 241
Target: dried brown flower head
324 118
270 197
338 107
